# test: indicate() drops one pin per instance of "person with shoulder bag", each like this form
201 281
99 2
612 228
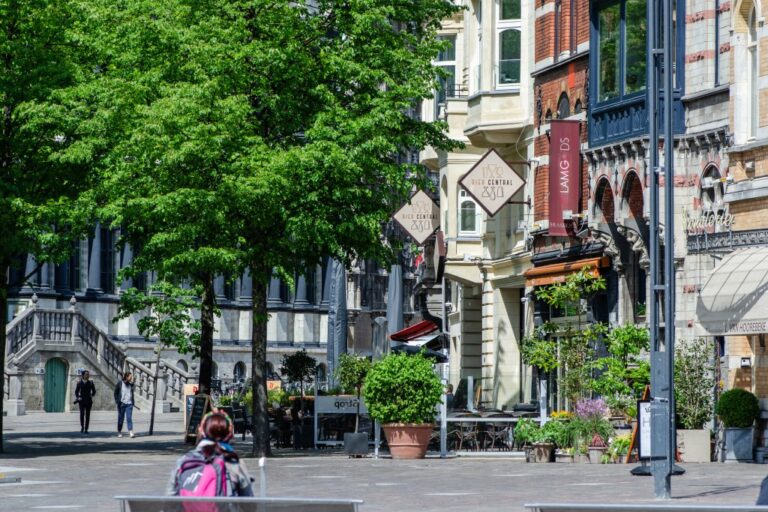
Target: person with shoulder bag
124 401
84 393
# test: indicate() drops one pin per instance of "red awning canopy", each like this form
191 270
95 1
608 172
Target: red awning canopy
414 331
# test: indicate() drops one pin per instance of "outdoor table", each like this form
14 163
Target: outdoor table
482 422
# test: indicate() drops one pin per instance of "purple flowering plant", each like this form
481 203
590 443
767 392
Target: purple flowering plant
591 423
591 408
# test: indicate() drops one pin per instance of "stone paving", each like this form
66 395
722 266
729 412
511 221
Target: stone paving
62 470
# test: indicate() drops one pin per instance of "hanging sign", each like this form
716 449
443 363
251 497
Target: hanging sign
420 217
492 182
564 173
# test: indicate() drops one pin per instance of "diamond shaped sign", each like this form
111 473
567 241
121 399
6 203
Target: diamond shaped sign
492 182
419 217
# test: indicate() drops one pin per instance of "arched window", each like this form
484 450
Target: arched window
239 372
563 107
548 116
577 107
321 373
182 364
752 97
711 191
468 214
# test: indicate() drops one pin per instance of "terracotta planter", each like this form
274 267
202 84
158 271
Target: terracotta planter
407 441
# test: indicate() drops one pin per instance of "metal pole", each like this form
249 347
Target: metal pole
669 244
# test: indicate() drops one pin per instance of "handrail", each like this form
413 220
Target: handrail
177 377
20 331
101 346
142 377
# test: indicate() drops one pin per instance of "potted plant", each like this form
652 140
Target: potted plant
351 373
526 433
738 409
592 427
402 392
694 382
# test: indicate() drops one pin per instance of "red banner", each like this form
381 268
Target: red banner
564 174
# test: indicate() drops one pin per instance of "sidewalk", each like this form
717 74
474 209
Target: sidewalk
61 470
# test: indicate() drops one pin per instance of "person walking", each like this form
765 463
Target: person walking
189 476
124 402
84 393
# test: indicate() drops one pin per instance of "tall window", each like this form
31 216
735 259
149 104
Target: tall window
309 278
753 76
107 281
508 43
446 61
477 59
563 107
469 214
621 34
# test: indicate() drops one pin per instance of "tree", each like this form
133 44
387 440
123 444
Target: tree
265 135
45 150
299 368
694 383
166 318
351 373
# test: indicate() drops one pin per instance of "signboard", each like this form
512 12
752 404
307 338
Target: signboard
492 182
420 217
201 404
644 429
564 173
338 405
708 221
189 391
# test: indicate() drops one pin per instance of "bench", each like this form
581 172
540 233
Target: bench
186 504
691 507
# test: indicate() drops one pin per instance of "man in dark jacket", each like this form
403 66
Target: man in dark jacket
84 393
124 402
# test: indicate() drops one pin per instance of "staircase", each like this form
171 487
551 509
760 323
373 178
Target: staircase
38 329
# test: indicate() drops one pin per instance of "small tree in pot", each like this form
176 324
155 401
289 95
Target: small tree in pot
738 409
351 372
402 392
694 389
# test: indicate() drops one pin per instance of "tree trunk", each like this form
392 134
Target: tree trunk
159 349
206 335
3 325
259 363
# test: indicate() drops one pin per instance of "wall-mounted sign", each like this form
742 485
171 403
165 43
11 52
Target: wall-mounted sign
564 173
335 404
644 429
707 221
492 182
420 217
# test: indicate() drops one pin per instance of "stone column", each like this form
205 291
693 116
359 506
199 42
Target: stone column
246 288
125 260
327 273
15 403
162 405
45 276
30 276
301 292
94 262
273 298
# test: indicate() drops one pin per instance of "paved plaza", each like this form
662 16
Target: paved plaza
62 470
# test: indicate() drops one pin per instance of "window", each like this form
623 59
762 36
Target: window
621 48
239 372
477 59
469 222
67 275
230 285
107 281
577 107
182 365
309 278
753 76
563 107
508 43
558 28
446 61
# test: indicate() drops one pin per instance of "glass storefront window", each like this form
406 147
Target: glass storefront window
609 25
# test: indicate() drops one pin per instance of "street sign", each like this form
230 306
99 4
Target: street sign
419 217
492 182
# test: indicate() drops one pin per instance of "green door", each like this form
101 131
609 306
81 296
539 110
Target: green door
55 385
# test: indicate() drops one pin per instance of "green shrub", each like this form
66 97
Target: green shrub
738 408
224 401
402 388
694 382
557 432
527 431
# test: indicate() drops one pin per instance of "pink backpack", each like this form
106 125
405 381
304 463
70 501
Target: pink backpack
199 477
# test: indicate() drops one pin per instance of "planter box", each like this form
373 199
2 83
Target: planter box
738 444
694 445
407 441
356 444
581 458
564 458
596 454
541 452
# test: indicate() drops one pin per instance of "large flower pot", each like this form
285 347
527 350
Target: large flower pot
738 444
407 441
596 454
694 445
541 452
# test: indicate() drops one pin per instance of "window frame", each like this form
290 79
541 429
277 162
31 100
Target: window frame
465 197
440 63
502 26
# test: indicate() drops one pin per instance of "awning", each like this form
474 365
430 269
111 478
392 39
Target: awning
734 300
557 272
417 330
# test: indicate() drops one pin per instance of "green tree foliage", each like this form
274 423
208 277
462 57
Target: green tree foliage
351 373
45 151
402 388
299 368
738 408
262 135
624 373
694 383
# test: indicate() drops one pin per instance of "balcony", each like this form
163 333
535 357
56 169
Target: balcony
495 117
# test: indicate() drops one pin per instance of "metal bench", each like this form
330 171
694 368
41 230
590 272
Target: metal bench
692 507
185 504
